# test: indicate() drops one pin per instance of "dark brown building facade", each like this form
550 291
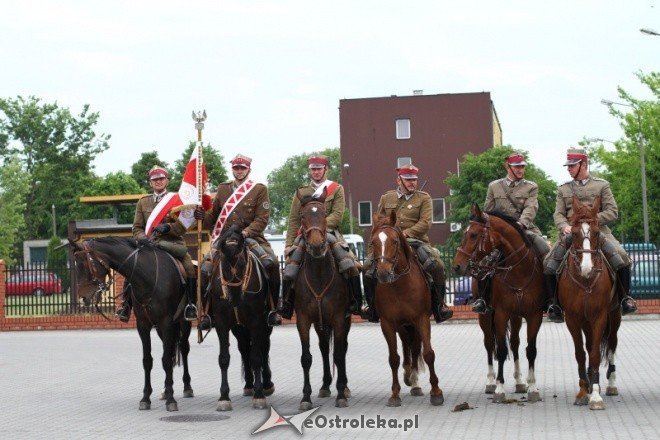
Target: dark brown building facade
433 132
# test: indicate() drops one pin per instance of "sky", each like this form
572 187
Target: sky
270 74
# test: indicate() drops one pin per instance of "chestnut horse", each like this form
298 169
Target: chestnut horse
586 291
495 245
321 299
403 301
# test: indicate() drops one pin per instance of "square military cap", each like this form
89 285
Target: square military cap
408 171
516 159
158 172
575 156
318 161
241 161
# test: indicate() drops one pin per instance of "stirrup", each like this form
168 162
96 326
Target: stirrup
123 314
555 313
205 323
479 306
286 311
443 314
369 315
273 319
190 313
628 305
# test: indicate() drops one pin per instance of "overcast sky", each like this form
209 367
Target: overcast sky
270 74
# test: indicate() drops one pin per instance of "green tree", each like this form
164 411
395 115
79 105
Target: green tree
56 149
140 169
57 261
477 171
111 184
14 185
214 167
621 167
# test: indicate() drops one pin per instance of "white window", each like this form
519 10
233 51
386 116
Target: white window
401 161
403 128
364 213
439 211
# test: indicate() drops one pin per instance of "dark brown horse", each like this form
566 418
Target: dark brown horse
322 298
238 291
158 296
590 305
494 245
403 301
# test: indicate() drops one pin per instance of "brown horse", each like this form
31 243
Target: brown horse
321 299
586 291
495 245
403 301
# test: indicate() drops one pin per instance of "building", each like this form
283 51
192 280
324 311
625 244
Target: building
433 132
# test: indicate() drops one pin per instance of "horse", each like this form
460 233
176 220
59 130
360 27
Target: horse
495 245
321 299
238 292
403 301
158 295
586 291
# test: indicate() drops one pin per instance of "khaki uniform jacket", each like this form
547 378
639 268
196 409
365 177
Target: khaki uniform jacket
525 201
609 212
143 210
251 214
413 216
335 204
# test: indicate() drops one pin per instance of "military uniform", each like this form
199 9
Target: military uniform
335 204
519 201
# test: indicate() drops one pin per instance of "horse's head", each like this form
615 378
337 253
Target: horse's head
477 242
584 231
232 260
92 270
388 244
313 223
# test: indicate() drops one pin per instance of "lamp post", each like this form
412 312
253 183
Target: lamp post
642 161
350 198
52 207
648 31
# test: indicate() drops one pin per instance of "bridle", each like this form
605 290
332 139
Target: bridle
394 261
307 231
574 254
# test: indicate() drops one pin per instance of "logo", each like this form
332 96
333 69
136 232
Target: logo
295 421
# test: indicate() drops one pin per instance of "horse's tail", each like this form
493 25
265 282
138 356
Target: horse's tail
605 349
413 338
507 335
178 330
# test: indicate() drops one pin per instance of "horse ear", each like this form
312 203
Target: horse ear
596 207
75 245
476 211
393 218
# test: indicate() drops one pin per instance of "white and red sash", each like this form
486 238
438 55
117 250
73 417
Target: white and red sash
231 203
332 186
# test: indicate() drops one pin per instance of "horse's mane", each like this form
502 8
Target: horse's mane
122 241
508 219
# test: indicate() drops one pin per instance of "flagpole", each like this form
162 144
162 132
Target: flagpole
199 119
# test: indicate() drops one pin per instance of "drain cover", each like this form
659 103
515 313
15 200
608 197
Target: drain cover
187 418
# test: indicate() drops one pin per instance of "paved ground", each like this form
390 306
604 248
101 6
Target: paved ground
82 384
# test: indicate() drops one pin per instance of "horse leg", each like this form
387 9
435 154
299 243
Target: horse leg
533 327
184 345
224 402
144 331
502 351
598 328
486 324
269 386
406 342
306 361
339 357
423 326
243 342
324 347
574 327
169 347
416 359
390 337
514 342
612 342
257 337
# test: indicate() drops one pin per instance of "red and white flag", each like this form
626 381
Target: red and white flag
194 178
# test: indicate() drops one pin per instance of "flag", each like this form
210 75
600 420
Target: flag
188 195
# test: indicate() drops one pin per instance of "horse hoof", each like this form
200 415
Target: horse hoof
597 405
416 391
499 398
347 393
611 391
437 400
341 403
224 405
248 391
521 388
533 397
269 391
145 405
394 402
259 403
305 406
188 393
172 406
324 393
490 389
584 400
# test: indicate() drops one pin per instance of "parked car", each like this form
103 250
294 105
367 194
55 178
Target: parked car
645 279
33 283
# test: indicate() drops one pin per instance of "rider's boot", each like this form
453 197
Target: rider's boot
369 312
288 298
628 305
190 313
482 304
355 289
123 313
555 313
441 312
274 318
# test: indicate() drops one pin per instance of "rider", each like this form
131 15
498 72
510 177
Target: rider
518 198
414 210
245 203
169 233
586 188
334 208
